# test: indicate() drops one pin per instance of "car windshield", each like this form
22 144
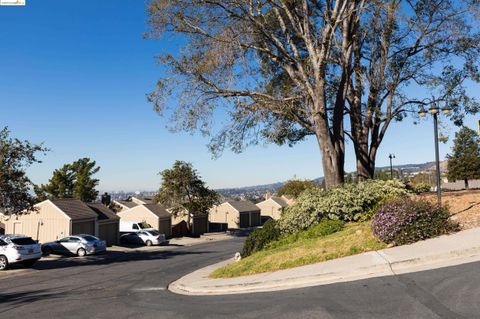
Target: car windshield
23 241
144 225
90 238
153 232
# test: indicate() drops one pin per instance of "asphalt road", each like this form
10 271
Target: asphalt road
132 285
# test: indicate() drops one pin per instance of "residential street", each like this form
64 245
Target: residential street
132 285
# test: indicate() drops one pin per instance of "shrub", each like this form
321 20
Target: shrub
259 238
324 228
404 220
421 188
350 202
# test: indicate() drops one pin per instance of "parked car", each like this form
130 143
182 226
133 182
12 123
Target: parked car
128 227
18 249
146 237
80 245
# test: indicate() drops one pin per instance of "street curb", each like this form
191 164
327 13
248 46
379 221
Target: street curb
463 247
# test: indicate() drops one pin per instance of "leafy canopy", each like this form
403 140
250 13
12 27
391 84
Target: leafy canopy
73 180
295 187
184 192
464 161
15 186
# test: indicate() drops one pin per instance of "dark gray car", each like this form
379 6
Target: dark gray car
79 245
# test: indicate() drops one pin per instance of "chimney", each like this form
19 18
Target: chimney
106 199
267 195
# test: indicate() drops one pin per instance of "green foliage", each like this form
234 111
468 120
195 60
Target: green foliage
464 162
259 238
421 188
322 229
15 186
73 180
184 192
350 202
295 187
385 174
404 220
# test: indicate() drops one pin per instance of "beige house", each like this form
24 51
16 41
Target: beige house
124 204
153 214
108 223
53 219
235 214
272 207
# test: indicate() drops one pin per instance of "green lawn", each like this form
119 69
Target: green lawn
355 238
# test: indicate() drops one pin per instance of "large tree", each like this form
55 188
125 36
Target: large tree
286 69
184 192
15 186
73 180
464 162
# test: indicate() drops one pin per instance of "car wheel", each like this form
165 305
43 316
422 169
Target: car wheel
29 263
81 252
47 251
148 243
3 263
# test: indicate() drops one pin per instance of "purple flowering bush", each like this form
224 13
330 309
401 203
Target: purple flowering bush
404 220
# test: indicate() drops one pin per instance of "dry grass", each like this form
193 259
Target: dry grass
355 238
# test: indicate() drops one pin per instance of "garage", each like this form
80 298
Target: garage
165 226
108 223
244 220
83 227
109 233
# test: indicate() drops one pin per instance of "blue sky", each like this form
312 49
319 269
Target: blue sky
75 74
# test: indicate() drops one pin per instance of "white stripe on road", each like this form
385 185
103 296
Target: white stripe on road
150 289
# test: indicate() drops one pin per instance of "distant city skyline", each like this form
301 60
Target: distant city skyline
76 79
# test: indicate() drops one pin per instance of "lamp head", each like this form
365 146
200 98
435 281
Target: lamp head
422 112
434 109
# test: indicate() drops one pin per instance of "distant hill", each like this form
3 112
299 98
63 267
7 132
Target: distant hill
257 191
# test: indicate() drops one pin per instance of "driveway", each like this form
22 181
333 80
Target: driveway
132 285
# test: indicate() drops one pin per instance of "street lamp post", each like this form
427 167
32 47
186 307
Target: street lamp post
434 110
391 156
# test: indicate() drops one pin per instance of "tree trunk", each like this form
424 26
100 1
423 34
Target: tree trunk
466 183
332 161
365 164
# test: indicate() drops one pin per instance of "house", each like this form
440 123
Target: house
234 214
108 223
133 202
154 214
272 207
53 220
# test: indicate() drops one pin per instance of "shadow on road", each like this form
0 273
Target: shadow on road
111 258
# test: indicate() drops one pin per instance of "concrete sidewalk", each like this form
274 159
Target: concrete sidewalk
449 250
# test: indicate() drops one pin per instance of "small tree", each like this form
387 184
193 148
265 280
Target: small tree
295 187
71 181
15 186
464 162
184 192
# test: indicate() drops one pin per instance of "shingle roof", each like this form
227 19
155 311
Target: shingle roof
158 210
103 212
243 205
127 203
280 201
74 208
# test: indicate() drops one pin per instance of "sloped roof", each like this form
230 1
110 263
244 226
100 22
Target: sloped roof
158 210
243 205
103 212
74 208
127 203
280 201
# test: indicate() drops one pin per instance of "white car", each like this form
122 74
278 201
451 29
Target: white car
128 226
18 249
144 237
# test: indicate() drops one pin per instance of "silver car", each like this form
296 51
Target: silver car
80 245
